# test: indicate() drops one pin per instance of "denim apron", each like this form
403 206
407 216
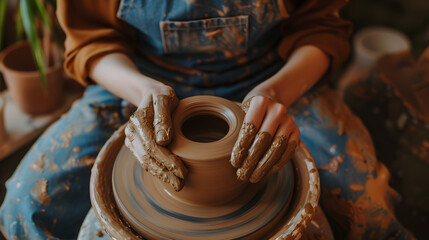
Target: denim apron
221 48
209 47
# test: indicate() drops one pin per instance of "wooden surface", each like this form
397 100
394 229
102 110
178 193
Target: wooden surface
21 128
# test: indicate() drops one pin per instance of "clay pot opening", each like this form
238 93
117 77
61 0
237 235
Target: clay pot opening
205 128
21 59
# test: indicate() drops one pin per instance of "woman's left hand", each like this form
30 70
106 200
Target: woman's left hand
267 139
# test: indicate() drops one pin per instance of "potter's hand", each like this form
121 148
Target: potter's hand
256 152
149 130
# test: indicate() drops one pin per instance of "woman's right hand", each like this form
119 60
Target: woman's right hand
149 130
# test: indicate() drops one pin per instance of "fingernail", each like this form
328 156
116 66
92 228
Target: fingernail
161 136
254 179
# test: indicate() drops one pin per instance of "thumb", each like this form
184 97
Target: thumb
163 106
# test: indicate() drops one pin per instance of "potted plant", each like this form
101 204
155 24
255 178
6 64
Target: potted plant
32 68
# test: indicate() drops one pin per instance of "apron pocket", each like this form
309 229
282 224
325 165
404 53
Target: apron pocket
225 34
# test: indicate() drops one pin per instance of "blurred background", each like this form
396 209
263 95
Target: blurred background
410 173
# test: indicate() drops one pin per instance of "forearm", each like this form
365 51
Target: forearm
119 75
305 66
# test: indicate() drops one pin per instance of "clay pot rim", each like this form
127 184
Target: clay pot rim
193 106
294 221
34 73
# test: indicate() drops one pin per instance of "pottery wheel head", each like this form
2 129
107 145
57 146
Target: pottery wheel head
213 202
121 189
155 214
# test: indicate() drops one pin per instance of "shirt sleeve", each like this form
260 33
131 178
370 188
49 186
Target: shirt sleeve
317 23
92 31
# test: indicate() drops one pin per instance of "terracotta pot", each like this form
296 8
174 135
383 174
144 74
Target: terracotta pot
288 224
23 81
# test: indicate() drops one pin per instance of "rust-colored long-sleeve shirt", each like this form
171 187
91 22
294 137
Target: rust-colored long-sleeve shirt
93 31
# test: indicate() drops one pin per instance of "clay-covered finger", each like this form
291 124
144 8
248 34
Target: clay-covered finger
167 159
246 136
159 171
277 120
132 141
256 151
275 116
141 124
142 131
150 164
273 154
249 129
290 150
163 105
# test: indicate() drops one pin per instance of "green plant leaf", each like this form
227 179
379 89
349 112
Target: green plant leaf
19 33
46 19
41 10
27 9
2 17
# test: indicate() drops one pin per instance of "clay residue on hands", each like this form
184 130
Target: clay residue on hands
141 128
154 158
333 165
291 147
245 138
162 120
273 154
157 170
40 192
246 104
258 148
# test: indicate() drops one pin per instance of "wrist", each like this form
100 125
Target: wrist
270 92
259 91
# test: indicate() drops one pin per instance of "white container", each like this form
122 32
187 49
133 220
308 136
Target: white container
371 43
368 45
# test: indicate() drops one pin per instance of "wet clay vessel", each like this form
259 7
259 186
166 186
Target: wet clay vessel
131 204
205 130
